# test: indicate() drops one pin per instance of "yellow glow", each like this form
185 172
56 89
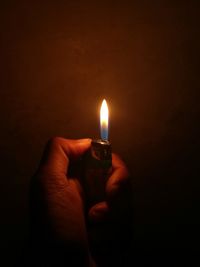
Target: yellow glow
104 115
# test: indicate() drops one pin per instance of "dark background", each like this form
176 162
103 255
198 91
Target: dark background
59 59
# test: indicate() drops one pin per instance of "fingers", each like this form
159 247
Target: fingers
118 178
117 194
59 151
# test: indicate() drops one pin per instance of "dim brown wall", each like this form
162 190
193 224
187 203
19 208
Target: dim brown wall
60 58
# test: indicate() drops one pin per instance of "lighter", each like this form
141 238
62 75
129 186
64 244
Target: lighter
98 162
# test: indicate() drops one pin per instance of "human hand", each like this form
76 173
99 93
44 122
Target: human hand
58 223
58 207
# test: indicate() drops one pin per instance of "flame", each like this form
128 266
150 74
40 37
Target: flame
104 120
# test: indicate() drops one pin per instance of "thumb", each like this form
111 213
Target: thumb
59 151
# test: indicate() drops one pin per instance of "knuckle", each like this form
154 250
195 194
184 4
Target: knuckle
55 141
125 177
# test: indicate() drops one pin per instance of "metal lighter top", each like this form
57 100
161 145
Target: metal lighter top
101 153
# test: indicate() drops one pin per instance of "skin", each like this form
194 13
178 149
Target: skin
62 231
